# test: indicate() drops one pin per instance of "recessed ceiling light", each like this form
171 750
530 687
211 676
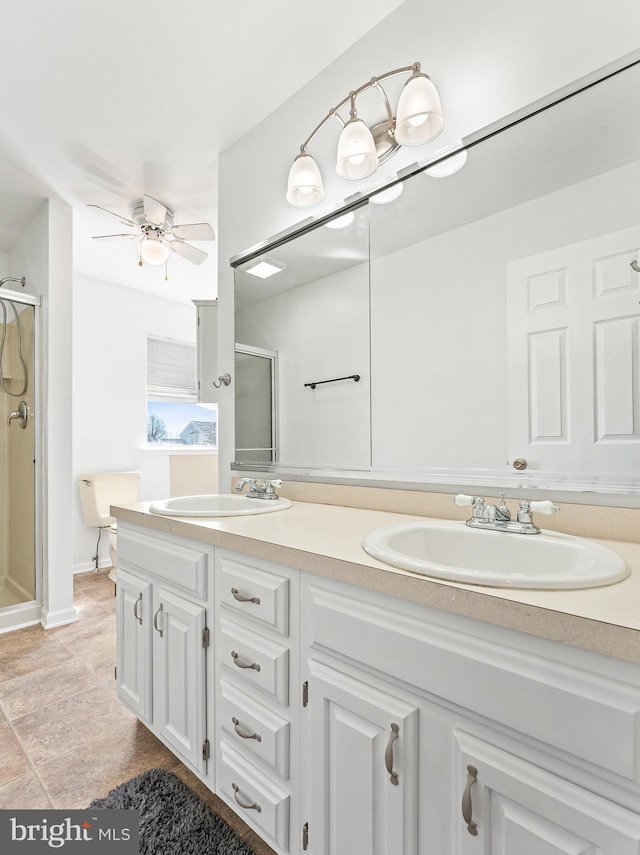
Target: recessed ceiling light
263 267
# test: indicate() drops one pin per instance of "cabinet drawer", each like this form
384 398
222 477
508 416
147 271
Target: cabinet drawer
250 726
169 558
255 592
254 796
258 660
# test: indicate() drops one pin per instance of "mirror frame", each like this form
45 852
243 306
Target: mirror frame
601 490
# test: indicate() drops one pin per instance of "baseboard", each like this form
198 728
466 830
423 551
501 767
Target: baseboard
19 616
91 565
49 620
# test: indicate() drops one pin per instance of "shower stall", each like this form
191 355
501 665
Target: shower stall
20 596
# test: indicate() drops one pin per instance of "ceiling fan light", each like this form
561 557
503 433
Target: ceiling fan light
305 182
153 250
357 156
419 116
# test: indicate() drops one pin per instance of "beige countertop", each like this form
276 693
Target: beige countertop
325 539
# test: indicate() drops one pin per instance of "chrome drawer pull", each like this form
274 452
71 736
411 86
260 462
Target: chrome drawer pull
135 608
467 807
243 804
388 754
244 733
242 599
155 620
237 661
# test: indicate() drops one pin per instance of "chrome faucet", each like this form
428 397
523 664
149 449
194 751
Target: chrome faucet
498 517
259 491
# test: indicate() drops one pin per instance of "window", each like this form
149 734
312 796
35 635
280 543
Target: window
175 419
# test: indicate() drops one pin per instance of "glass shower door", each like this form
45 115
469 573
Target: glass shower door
17 453
255 371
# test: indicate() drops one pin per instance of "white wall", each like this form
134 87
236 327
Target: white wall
4 264
487 60
110 329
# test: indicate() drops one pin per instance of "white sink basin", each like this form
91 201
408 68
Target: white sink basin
217 505
450 550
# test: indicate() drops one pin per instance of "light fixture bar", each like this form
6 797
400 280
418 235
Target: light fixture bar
361 147
374 82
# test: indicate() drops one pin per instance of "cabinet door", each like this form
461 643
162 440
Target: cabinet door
513 806
363 767
179 688
133 657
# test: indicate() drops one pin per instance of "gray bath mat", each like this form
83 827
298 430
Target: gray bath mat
173 819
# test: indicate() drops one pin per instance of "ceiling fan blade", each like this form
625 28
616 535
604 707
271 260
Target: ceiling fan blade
194 231
113 237
124 220
154 211
191 253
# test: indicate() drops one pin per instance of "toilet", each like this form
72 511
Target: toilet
100 490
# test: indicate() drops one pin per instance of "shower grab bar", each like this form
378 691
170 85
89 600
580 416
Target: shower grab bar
354 377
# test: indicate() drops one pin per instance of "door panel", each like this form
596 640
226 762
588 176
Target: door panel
179 687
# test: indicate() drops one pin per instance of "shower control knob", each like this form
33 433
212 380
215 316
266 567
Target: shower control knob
21 415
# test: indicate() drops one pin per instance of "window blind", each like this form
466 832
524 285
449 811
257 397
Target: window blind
171 370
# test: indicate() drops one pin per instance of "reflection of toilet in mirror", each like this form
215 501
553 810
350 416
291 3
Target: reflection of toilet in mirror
100 490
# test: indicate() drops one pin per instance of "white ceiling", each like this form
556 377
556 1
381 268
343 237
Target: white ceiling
104 102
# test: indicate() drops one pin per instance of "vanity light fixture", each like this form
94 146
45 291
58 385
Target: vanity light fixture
361 148
263 267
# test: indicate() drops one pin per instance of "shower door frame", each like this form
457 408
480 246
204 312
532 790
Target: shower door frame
30 612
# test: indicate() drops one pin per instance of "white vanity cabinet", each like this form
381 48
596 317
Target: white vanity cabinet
257 695
512 805
362 765
349 722
514 744
162 633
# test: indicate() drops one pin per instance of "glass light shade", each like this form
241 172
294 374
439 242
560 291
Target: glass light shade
388 195
341 222
305 182
419 117
357 156
449 166
153 251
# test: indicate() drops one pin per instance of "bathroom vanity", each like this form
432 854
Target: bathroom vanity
340 705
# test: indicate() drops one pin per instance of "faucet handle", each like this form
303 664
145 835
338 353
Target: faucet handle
462 500
545 507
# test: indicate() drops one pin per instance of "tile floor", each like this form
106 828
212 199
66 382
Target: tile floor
65 738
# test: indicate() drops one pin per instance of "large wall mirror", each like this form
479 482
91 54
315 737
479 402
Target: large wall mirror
491 315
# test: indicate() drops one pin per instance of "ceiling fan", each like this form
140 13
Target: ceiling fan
157 233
